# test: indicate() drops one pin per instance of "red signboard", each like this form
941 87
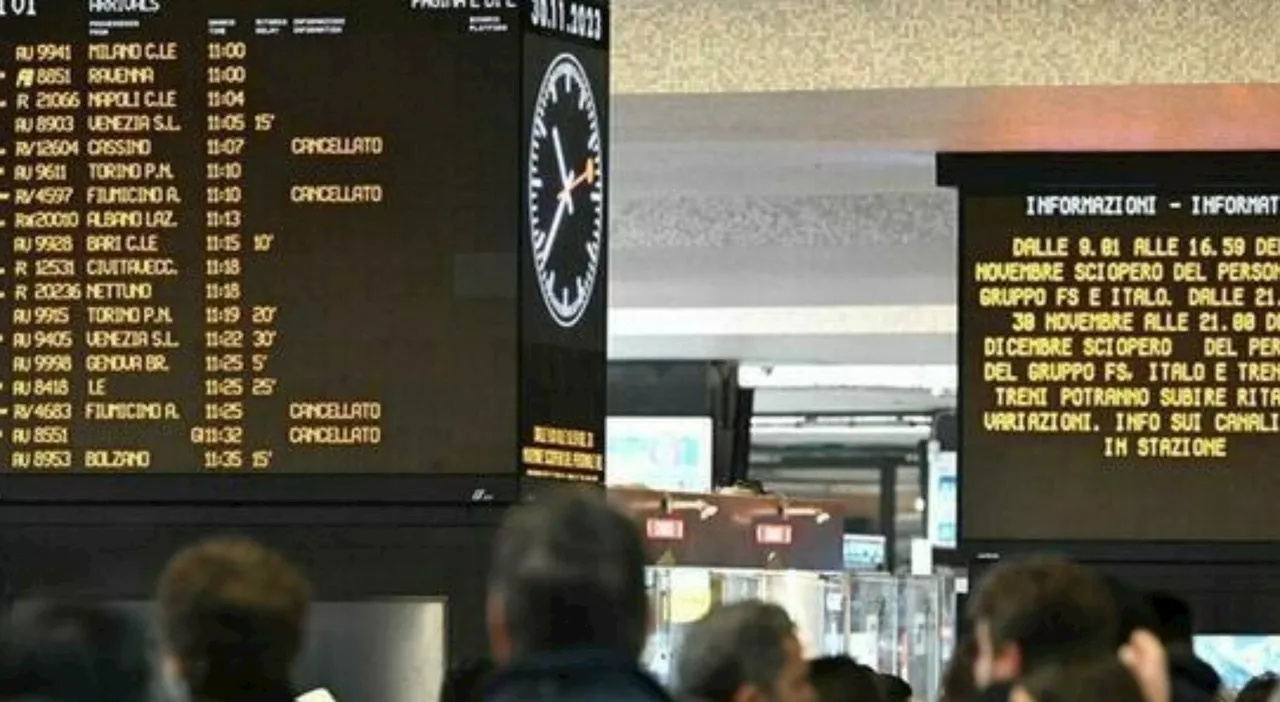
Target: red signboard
773 534
737 531
660 529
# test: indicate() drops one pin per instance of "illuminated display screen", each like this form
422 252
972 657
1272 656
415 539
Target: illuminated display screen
1239 659
302 237
660 453
1120 363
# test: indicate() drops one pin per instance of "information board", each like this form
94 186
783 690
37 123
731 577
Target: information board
1119 351
300 237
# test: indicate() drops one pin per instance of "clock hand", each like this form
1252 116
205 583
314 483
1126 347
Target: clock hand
550 241
588 176
566 175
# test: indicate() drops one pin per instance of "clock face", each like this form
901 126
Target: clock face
566 191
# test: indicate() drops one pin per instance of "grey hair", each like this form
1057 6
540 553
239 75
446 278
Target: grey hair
735 645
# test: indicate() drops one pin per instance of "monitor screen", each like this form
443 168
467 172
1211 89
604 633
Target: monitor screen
941 499
659 453
1237 659
289 237
1119 363
864 552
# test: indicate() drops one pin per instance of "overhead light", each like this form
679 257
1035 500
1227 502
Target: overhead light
840 320
937 379
778 420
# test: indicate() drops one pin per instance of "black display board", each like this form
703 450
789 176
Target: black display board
1119 346
301 250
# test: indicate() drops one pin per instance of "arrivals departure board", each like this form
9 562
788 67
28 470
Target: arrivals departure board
292 237
1119 352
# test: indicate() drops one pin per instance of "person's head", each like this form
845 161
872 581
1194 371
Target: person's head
1260 689
896 689
1133 612
957 679
842 679
466 682
232 619
1033 612
567 573
743 652
1100 679
1175 623
67 652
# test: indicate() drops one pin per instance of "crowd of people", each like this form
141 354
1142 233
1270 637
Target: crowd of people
568 618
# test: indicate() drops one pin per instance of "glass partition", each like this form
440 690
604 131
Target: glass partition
897 625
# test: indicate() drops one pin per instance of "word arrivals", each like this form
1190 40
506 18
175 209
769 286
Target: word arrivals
122 6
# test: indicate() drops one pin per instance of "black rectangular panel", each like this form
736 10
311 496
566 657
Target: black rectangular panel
664 388
109 552
564 250
402 642
1119 350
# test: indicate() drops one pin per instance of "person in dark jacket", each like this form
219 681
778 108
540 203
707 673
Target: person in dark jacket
842 679
1039 611
1260 689
466 682
567 607
743 652
1138 641
1193 679
1104 679
896 689
957 679
73 652
232 617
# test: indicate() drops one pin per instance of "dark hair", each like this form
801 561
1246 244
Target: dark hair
744 643
466 682
233 612
1133 611
1259 689
896 689
995 692
958 684
569 571
1052 609
1101 678
842 679
67 652
1175 622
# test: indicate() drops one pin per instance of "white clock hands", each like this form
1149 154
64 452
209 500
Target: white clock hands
565 201
566 175
566 191
549 242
